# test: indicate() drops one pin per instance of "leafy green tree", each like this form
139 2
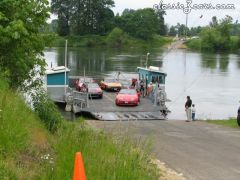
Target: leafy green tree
63 8
172 31
21 50
194 31
162 27
81 17
209 38
224 29
142 23
235 31
182 30
218 35
105 22
116 38
125 22
146 23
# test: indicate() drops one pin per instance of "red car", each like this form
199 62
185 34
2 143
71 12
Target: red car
128 97
94 91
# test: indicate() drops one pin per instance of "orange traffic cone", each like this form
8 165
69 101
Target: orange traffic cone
79 172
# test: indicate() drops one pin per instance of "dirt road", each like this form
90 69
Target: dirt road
198 150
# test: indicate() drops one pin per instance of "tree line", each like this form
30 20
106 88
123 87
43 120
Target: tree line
219 35
182 30
82 17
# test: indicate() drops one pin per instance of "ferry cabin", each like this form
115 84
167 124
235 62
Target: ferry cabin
152 74
57 82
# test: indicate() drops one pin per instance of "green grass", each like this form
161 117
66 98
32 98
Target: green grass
229 123
29 151
105 156
23 139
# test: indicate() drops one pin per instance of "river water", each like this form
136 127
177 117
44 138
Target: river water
212 80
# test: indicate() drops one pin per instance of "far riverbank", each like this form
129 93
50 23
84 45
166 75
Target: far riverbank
108 41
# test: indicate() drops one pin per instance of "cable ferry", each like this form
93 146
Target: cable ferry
153 76
151 107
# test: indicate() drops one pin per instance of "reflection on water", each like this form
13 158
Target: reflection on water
215 61
212 80
101 62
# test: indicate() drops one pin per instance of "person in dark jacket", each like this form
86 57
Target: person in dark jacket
142 88
188 106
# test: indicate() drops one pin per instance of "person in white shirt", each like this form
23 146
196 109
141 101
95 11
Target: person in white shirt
193 112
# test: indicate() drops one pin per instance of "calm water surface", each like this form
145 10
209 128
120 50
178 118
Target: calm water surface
212 80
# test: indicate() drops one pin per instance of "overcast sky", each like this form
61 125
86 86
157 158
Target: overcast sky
175 16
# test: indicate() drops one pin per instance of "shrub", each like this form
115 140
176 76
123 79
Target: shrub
235 42
47 111
116 38
194 44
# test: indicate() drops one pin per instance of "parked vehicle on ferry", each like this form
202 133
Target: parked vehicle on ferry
127 97
94 91
111 85
81 84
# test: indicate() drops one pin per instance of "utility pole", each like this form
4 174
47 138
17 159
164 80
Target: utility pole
65 79
186 27
147 59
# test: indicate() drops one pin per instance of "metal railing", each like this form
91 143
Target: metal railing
80 99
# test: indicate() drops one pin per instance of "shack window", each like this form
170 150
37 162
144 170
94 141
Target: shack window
161 79
154 79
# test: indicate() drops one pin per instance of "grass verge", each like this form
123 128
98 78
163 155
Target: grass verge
29 151
229 123
23 139
105 156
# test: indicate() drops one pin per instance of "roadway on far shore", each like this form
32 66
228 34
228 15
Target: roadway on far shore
198 150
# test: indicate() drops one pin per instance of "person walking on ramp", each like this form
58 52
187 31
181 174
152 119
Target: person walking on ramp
188 106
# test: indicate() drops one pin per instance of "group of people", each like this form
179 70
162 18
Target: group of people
150 90
190 110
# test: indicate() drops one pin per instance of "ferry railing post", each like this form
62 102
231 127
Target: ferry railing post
147 59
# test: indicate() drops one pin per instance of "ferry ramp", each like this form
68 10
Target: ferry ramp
105 109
